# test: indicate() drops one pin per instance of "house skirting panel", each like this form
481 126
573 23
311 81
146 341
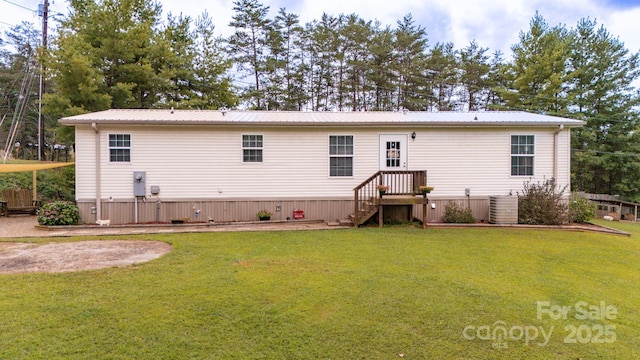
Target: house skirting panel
435 210
151 211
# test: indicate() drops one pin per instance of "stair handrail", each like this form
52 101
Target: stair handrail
370 186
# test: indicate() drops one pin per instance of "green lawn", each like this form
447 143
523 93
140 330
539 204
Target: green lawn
339 294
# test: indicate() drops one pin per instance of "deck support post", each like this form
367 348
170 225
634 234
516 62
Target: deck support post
424 212
356 211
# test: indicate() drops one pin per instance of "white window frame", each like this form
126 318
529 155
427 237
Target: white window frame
338 151
522 151
119 148
254 147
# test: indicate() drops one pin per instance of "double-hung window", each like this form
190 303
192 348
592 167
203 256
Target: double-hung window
252 148
341 155
120 147
522 155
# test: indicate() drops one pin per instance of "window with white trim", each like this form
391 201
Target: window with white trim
341 155
119 147
252 148
522 155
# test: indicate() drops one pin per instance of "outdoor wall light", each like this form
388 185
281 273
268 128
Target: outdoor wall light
413 135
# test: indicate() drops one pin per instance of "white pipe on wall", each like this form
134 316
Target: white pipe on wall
98 177
555 151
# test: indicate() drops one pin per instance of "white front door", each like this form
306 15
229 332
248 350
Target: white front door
393 152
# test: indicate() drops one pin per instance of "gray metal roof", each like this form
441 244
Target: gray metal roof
287 118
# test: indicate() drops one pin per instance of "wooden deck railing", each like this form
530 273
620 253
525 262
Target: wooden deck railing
398 182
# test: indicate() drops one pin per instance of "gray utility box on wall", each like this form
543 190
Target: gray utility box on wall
503 209
139 183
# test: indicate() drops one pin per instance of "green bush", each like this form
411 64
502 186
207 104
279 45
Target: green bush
57 184
455 214
17 180
53 184
581 210
542 204
58 213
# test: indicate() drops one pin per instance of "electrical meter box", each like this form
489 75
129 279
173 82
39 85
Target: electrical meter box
139 183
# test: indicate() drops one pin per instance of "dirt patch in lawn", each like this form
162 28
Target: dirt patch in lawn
76 256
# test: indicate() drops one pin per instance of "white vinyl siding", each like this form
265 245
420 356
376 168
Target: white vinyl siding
480 159
341 155
205 162
85 156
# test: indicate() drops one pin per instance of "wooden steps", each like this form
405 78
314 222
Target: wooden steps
341 222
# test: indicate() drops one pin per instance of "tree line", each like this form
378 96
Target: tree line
125 54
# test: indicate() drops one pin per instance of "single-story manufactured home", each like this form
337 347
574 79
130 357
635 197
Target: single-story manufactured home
155 165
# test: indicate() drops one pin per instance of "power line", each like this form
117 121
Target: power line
41 90
18 5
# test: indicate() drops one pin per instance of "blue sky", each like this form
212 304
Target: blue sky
493 23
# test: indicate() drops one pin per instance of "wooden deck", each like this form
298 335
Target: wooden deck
393 201
402 200
389 189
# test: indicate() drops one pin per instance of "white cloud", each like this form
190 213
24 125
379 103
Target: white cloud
626 26
493 23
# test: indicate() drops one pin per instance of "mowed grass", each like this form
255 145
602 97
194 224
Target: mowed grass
336 294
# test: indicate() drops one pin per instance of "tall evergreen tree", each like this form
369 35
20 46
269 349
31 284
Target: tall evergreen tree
474 73
118 54
288 56
538 75
248 45
212 85
322 47
356 34
411 48
172 60
382 77
442 65
112 42
605 150
495 81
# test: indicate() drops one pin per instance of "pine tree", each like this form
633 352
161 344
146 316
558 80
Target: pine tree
212 85
172 60
288 46
411 47
248 45
356 35
442 64
322 47
495 82
474 73
605 150
538 76
382 77
113 43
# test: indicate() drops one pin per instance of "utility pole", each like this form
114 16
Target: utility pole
45 16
